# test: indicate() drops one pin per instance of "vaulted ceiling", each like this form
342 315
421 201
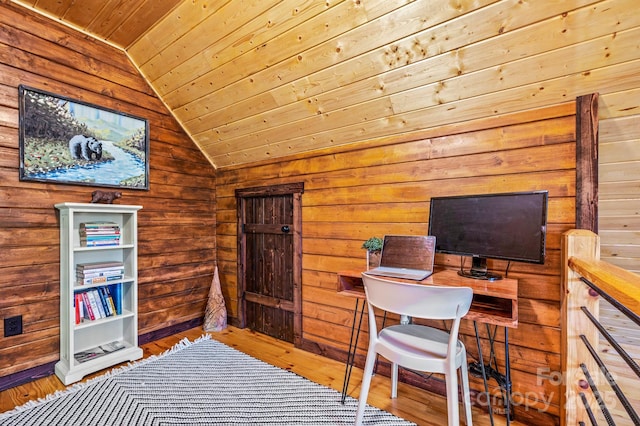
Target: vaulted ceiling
235 73
251 80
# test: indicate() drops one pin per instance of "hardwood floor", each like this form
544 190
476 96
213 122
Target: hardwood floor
412 403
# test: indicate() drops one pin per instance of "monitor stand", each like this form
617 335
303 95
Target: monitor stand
479 270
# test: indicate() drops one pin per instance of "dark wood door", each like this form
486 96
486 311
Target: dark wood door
269 260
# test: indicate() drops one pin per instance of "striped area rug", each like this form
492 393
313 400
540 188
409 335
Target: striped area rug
196 383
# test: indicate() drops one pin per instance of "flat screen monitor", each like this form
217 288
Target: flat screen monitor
508 226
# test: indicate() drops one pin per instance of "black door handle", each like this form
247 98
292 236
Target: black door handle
285 229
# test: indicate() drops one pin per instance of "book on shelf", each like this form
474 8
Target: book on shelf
99 351
88 310
100 231
107 300
101 306
99 273
95 234
103 237
99 265
78 307
116 295
100 279
97 313
103 300
101 243
98 225
97 303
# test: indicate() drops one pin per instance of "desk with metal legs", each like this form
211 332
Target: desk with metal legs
495 304
353 345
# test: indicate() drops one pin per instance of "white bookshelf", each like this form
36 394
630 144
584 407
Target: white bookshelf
90 334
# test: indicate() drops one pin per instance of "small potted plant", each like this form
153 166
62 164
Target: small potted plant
373 246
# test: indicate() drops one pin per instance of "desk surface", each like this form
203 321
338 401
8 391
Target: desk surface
494 302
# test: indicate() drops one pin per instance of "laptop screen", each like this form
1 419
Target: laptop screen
408 251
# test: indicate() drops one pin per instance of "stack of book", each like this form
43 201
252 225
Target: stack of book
99 272
97 303
95 234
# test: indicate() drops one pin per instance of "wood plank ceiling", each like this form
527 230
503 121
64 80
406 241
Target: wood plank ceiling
251 80
118 22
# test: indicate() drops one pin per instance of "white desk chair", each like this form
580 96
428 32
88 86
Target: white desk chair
418 347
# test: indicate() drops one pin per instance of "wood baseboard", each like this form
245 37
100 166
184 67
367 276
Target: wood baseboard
168 331
26 376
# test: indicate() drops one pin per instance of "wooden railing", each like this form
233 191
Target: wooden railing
592 390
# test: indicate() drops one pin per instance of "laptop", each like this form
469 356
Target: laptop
406 256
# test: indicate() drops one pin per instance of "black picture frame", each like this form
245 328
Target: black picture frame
67 141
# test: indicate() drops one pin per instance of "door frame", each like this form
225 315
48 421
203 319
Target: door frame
296 190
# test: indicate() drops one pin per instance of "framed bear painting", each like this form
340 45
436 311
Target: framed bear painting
67 141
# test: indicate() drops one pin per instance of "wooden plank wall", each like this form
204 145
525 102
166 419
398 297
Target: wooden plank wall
177 222
619 226
384 186
619 180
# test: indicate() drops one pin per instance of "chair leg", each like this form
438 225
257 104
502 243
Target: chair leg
394 380
466 398
453 411
366 383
